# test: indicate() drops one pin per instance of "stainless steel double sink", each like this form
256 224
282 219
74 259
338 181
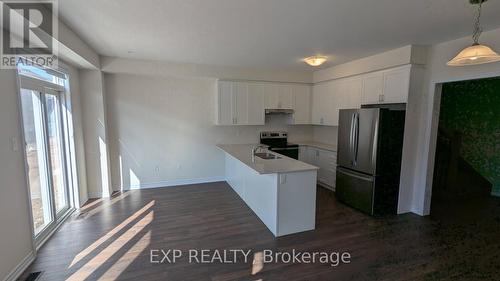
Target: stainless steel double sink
267 155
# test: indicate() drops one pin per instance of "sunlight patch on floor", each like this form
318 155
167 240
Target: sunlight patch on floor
106 204
91 266
121 265
110 234
258 263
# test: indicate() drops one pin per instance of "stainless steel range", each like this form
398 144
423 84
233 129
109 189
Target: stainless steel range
278 142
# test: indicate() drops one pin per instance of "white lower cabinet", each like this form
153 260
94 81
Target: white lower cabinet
326 160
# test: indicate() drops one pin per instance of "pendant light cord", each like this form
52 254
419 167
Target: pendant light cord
477 25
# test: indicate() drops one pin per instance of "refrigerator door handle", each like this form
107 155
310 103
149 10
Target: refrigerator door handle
351 139
356 138
375 144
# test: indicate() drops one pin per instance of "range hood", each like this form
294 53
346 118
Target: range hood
278 111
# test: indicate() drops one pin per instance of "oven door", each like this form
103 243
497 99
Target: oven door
292 152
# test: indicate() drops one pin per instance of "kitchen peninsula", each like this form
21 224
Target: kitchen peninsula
281 191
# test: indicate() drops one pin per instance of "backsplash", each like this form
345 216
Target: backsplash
325 134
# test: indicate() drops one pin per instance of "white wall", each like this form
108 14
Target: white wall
163 130
95 133
15 230
76 114
410 54
438 72
147 67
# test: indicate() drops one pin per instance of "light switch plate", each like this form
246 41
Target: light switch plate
14 143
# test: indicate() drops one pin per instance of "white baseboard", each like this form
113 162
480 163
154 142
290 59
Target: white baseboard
21 267
171 183
94 195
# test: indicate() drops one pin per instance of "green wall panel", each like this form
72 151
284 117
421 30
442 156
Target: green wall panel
473 109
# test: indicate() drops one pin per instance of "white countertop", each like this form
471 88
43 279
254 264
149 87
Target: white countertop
319 145
243 152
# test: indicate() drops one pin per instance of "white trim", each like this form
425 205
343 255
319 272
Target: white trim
422 206
21 267
25 161
179 182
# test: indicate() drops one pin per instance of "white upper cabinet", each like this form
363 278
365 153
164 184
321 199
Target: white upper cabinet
329 97
322 103
244 103
350 91
256 104
271 95
301 95
373 88
224 105
285 96
387 86
278 96
239 103
396 85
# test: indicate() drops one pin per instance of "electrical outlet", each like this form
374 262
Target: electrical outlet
282 179
157 170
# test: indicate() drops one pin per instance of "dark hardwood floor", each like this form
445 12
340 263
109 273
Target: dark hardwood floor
112 239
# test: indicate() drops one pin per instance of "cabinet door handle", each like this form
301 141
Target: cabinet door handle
380 97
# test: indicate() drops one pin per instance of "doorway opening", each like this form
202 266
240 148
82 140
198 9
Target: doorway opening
47 153
466 177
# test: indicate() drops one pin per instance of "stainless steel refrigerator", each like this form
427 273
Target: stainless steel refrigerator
370 144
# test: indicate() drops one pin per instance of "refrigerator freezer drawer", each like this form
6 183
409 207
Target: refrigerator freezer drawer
355 190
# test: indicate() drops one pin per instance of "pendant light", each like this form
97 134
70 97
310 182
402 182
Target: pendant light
477 53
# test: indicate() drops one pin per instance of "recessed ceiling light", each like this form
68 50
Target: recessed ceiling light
315 60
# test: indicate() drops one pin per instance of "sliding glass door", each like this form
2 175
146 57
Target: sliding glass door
45 154
56 151
36 156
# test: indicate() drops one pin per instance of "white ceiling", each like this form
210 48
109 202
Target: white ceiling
267 33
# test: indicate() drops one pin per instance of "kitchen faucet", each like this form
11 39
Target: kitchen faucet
254 150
